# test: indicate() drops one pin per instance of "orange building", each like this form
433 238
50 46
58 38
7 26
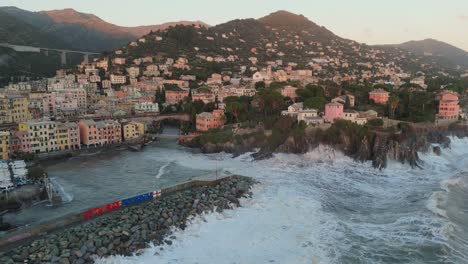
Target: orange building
207 121
379 96
121 94
174 97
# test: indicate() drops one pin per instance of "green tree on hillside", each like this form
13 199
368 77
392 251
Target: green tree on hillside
315 103
268 102
236 108
260 85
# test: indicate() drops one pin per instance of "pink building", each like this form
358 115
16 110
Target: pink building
82 78
207 121
109 132
74 141
89 135
289 91
14 145
379 96
449 109
333 111
106 84
22 142
174 97
48 103
119 61
80 96
94 78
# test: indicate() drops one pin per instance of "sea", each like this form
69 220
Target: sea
318 207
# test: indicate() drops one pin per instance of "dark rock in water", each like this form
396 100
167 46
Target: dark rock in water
437 150
438 137
262 155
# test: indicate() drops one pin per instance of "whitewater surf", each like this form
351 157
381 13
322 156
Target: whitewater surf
323 207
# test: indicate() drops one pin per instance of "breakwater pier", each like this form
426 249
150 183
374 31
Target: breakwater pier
122 227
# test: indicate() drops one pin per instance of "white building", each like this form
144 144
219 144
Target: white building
353 116
118 79
293 110
133 72
146 107
309 116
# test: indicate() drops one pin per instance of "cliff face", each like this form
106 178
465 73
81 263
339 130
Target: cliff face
382 147
378 147
245 140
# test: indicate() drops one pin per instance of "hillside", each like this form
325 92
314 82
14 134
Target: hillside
73 29
143 30
66 29
14 30
280 36
284 20
444 52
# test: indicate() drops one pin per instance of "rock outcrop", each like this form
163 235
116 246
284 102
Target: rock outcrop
376 146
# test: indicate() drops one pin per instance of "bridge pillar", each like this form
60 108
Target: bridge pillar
46 52
86 58
63 57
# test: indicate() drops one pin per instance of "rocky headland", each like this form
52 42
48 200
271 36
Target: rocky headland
361 143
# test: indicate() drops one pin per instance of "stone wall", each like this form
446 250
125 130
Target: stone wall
24 235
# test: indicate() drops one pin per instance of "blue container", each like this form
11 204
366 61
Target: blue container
137 199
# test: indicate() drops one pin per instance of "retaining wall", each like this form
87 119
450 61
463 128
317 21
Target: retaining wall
23 235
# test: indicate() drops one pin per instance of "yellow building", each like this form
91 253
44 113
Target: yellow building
4 145
14 109
140 127
130 131
43 135
63 137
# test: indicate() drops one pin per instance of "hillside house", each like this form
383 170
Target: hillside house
206 121
379 96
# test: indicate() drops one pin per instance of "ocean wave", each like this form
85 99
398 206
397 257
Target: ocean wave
324 207
437 203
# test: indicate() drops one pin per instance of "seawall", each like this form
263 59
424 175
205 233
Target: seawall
24 235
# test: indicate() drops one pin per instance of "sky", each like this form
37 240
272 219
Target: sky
367 21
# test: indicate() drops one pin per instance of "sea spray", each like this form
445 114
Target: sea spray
66 196
325 207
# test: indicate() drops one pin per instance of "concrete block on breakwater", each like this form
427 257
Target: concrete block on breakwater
125 229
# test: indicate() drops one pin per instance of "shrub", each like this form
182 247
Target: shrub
376 122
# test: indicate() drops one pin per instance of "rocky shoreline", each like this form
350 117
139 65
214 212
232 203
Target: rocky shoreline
130 230
377 147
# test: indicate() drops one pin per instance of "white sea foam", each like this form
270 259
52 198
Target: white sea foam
320 207
436 203
161 170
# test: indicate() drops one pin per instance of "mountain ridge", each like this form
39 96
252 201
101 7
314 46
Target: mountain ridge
82 30
283 19
443 51
279 36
